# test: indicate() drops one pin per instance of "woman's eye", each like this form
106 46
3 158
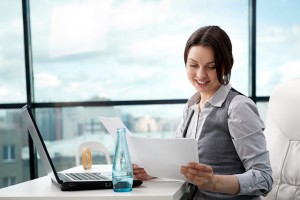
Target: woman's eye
212 67
194 66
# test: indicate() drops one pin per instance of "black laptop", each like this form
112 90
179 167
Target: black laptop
66 181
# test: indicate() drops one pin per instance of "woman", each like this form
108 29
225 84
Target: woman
233 159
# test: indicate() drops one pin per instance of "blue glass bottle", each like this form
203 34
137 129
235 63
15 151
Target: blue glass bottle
122 173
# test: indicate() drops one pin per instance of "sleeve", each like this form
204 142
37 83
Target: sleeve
246 129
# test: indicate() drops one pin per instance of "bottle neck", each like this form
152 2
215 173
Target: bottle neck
121 137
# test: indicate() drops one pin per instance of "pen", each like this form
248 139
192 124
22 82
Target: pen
188 123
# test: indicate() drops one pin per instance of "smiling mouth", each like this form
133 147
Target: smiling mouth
202 83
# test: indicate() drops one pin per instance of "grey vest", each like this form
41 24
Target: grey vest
216 149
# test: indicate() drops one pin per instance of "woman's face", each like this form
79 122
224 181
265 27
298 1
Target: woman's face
201 70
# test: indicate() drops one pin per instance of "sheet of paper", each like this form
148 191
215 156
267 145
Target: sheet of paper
112 124
163 157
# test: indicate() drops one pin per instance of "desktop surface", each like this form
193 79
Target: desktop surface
42 188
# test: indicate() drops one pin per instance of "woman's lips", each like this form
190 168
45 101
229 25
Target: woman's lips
202 83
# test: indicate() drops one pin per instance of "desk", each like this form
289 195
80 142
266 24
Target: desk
43 189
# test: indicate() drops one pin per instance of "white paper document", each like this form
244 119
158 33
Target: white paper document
112 124
161 157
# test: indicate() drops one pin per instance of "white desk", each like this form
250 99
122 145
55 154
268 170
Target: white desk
43 189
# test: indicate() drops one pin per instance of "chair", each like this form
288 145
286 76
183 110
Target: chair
283 140
94 147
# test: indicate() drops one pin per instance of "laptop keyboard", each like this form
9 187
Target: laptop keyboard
87 176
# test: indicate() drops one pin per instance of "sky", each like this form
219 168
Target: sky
278 49
129 50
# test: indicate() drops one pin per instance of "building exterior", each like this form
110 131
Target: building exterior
10 153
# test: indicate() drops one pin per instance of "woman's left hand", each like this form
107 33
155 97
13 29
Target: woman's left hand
140 173
200 175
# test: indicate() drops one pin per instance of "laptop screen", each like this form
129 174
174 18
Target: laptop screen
39 143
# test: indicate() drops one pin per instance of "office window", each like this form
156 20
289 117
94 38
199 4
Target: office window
12 67
262 109
84 49
278 44
9 153
70 126
14 155
8 181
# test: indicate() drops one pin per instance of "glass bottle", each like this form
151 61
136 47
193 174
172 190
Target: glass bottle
122 173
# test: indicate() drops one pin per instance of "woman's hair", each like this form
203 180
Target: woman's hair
218 40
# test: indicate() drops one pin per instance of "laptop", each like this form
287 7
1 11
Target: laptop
66 181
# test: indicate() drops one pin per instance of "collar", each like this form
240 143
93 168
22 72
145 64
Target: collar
216 100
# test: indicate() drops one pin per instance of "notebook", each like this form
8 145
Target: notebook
65 181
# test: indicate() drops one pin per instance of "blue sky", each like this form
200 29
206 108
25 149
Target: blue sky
140 52
127 50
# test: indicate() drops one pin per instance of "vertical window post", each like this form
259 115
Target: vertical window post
252 50
29 80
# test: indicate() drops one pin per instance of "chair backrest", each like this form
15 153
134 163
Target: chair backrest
283 140
94 147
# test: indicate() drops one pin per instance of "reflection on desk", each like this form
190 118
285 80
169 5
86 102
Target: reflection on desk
43 188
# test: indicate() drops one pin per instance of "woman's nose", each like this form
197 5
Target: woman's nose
200 72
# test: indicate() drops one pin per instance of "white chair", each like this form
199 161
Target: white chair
283 140
94 147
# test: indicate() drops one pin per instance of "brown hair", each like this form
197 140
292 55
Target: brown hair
219 41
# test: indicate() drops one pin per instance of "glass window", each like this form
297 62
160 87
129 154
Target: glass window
63 129
84 49
9 152
12 67
278 44
14 162
262 109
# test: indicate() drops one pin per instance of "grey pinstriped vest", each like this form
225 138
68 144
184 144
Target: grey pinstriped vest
216 149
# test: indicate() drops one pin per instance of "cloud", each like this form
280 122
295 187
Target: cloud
9 94
3 91
289 70
267 35
277 35
45 80
165 44
135 14
78 28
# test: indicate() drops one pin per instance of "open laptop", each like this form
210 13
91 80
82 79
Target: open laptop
65 181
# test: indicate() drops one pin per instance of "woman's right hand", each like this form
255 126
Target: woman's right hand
140 173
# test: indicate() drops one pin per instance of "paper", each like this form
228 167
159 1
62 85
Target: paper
161 157
112 124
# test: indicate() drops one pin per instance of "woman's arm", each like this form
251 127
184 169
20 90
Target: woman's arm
203 176
246 129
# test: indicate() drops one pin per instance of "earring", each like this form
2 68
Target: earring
225 79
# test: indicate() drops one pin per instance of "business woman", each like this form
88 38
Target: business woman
233 158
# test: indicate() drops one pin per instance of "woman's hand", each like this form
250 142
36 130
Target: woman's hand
200 175
204 177
140 173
